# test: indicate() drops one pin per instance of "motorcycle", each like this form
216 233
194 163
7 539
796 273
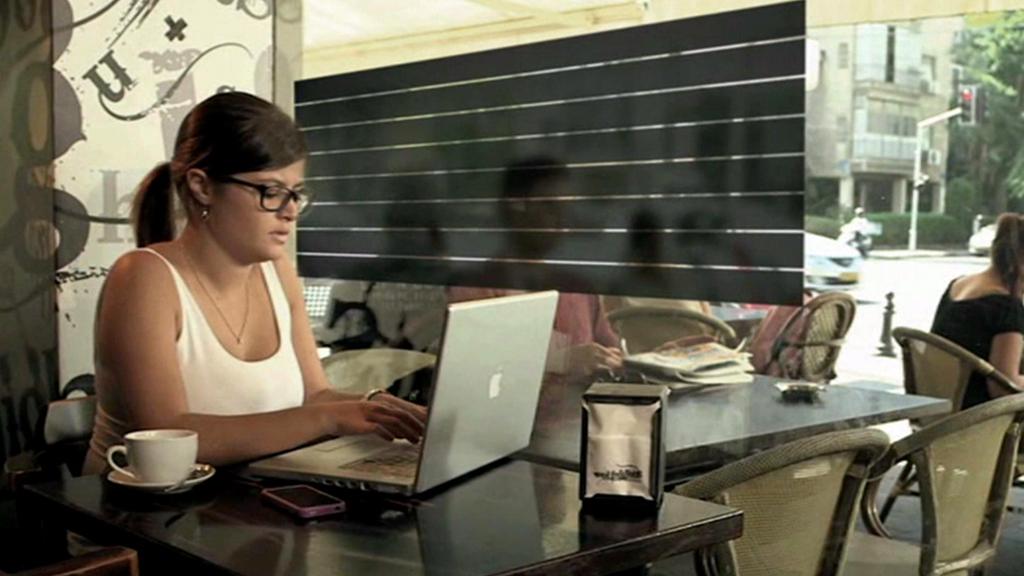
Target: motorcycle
860 241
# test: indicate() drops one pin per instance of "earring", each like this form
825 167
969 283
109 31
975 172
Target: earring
204 213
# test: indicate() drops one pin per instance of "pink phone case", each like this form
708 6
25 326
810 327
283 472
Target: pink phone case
303 501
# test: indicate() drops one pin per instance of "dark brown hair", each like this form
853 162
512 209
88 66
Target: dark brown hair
225 134
1008 250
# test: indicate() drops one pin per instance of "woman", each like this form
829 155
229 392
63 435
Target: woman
983 312
208 331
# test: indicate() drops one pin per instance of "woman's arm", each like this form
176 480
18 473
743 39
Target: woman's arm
137 326
317 389
1005 356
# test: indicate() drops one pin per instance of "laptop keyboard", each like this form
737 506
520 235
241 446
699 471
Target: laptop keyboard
399 461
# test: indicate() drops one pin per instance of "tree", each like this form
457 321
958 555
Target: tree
991 153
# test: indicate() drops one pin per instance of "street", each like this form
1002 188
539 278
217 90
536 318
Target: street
917 284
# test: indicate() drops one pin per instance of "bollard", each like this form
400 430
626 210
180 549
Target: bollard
885 348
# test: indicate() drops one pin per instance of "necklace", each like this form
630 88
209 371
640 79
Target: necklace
245 318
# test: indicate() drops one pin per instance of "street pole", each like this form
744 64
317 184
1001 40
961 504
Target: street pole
915 190
917 183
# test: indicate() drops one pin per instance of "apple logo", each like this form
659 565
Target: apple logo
494 388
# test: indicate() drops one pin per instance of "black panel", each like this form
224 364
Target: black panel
699 283
744 138
748 212
658 160
706 249
718 176
744 64
748 101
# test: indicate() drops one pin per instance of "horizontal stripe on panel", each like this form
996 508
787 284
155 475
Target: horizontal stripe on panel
755 286
620 130
698 249
762 62
781 212
554 262
776 136
751 100
711 176
560 198
552 71
680 35
558 230
554 164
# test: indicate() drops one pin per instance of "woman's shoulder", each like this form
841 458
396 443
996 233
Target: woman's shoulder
142 271
976 288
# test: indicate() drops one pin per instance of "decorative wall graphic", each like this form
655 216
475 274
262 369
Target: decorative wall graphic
28 351
662 160
175 28
135 69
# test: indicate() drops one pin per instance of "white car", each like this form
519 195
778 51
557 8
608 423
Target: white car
830 265
981 241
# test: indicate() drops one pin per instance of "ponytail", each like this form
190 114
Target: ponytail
1007 250
153 207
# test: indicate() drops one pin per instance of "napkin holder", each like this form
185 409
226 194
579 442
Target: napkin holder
622 450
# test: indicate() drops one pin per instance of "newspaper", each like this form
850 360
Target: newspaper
708 363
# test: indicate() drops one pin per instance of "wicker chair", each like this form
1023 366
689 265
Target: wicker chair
798 503
934 366
644 328
808 346
965 464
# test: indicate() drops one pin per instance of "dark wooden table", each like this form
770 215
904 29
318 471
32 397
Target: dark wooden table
515 518
712 425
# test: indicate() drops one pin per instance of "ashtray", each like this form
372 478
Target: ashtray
799 391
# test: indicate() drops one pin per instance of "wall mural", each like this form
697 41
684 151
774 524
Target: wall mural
135 70
123 75
28 352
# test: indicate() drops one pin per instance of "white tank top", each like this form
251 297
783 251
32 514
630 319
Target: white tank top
215 381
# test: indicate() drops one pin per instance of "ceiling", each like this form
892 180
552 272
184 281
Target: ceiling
333 23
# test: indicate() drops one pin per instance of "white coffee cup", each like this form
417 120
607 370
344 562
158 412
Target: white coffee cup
157 456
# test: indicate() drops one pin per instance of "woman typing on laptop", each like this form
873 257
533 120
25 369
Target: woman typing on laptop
206 330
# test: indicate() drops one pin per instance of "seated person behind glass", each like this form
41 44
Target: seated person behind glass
583 343
983 312
207 330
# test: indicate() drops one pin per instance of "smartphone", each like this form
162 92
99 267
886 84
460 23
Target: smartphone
303 501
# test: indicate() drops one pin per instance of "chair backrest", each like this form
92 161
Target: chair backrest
934 366
965 465
110 561
808 346
358 371
797 499
644 328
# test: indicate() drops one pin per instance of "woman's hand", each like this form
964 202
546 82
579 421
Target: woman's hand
373 417
418 412
586 359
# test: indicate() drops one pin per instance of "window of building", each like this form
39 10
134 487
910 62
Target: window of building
890 54
843 56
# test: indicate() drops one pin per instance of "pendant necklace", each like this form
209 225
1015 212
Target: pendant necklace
245 319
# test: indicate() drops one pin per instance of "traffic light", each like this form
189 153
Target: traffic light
971 100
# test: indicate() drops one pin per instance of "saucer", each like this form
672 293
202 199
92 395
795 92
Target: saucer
200 473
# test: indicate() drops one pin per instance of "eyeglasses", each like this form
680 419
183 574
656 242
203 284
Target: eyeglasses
274 198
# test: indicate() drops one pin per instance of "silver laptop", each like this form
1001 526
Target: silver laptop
482 406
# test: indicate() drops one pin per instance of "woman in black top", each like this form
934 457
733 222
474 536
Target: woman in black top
984 313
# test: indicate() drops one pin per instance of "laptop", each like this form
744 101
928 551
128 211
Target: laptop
483 402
